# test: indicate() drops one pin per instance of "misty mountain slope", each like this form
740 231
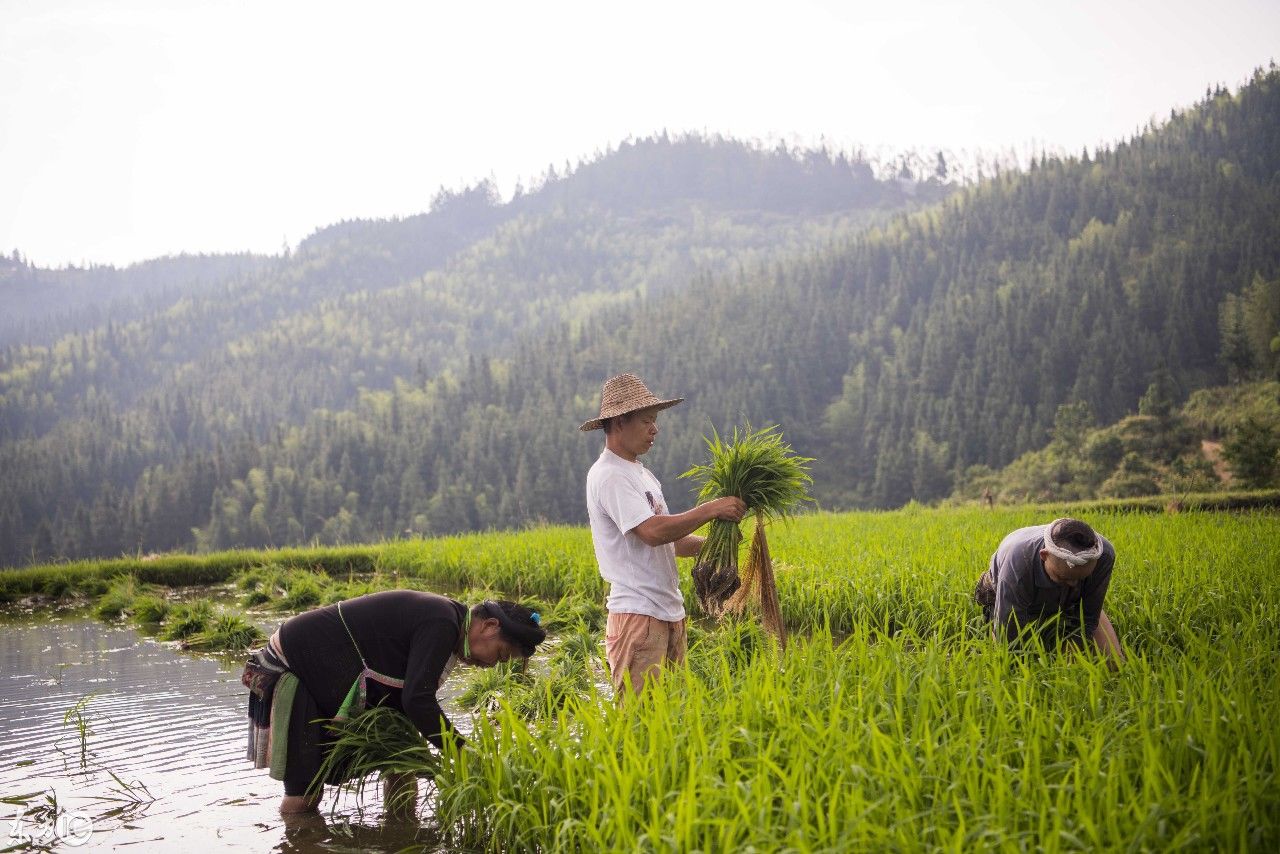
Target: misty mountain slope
169 398
897 356
580 239
41 306
946 338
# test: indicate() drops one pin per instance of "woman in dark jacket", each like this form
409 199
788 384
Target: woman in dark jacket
393 648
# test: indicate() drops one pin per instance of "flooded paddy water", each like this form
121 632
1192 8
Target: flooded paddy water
141 747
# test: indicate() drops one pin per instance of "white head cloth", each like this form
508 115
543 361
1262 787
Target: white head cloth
1072 558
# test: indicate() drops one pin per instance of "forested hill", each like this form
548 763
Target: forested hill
116 437
899 356
41 305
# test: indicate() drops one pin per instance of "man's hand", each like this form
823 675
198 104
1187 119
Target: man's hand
729 509
658 530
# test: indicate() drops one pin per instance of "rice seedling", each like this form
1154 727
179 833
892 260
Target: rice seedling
257 577
338 591
225 633
187 619
130 800
298 590
57 585
579 646
118 599
574 610
759 587
761 469
254 598
149 610
487 687
76 718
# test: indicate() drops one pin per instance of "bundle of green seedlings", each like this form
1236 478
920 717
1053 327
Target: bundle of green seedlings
379 741
761 469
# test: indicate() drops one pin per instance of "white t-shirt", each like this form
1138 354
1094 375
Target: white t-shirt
642 579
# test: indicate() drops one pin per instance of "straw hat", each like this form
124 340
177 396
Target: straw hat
622 394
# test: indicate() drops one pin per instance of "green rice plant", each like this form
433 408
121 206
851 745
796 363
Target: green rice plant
174 570
254 598
299 590
546 562
79 722
256 577
761 469
379 741
188 618
574 610
475 594
259 584
57 585
486 687
338 591
548 692
225 633
149 609
118 600
576 648
885 743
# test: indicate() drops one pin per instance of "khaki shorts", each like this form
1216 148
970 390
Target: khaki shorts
637 645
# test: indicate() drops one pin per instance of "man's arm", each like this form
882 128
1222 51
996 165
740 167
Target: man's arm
661 528
1095 591
1012 610
689 546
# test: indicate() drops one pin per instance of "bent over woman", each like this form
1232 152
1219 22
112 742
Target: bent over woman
393 648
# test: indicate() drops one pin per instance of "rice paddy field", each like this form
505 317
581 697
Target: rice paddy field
891 720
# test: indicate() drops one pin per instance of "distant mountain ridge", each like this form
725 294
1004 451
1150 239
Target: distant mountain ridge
362 306
353 394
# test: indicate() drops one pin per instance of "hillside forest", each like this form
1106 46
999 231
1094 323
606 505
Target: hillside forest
1099 324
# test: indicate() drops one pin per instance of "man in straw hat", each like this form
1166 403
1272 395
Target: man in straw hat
636 539
1054 575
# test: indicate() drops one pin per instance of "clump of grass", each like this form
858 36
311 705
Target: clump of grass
257 577
578 647
254 598
58 585
258 583
338 591
225 633
761 469
535 689
187 619
574 610
488 686
118 599
283 589
302 589
149 610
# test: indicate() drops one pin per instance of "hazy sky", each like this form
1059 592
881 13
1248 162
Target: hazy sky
133 129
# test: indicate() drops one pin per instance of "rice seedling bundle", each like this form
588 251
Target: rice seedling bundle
379 741
761 469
